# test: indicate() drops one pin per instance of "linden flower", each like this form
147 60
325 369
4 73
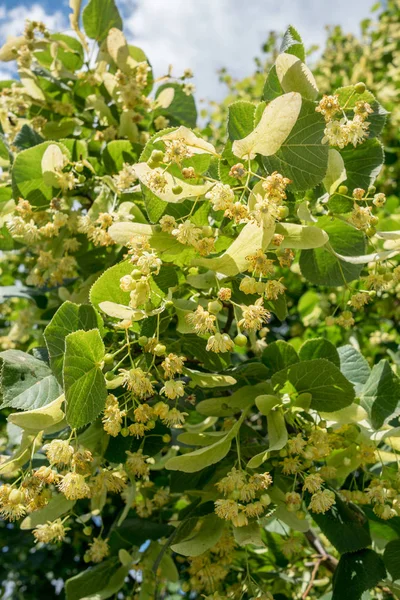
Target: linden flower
136 463
345 320
296 444
273 289
291 465
259 264
205 246
143 413
248 285
13 503
156 181
275 186
74 486
356 131
161 410
149 263
359 300
98 549
125 178
225 294
237 211
174 418
312 483
220 342
136 381
46 474
221 196
385 512
254 316
201 320
172 364
328 106
226 509
336 133
240 520
59 452
173 389
293 501
235 479
255 509
176 151
50 532
322 501
187 233
363 109
112 417
168 223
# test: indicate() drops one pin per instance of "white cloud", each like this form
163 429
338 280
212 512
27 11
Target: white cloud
206 35
12 23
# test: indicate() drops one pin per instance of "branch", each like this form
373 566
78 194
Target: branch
330 561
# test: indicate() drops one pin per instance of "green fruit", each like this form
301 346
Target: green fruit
108 359
109 376
283 212
124 432
157 156
214 307
177 189
160 350
360 87
142 341
240 340
343 189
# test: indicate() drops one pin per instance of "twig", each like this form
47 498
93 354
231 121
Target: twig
330 561
313 575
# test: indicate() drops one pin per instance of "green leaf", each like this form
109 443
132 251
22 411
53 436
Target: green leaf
57 507
249 534
70 317
302 157
272 87
380 395
319 348
26 138
90 581
202 539
135 532
116 153
85 388
391 556
182 109
345 527
26 382
354 366
106 288
278 356
98 17
27 178
277 437
292 43
226 406
240 119
329 389
208 380
321 267
363 163
69 52
348 97
204 457
356 573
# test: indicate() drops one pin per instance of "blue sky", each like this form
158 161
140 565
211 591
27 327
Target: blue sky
203 35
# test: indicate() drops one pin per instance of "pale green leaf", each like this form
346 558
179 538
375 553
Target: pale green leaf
301 237
277 122
202 539
336 172
39 419
295 76
57 507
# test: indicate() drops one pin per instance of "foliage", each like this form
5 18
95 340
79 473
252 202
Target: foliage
193 404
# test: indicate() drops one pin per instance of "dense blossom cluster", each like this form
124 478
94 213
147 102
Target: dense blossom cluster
187 379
